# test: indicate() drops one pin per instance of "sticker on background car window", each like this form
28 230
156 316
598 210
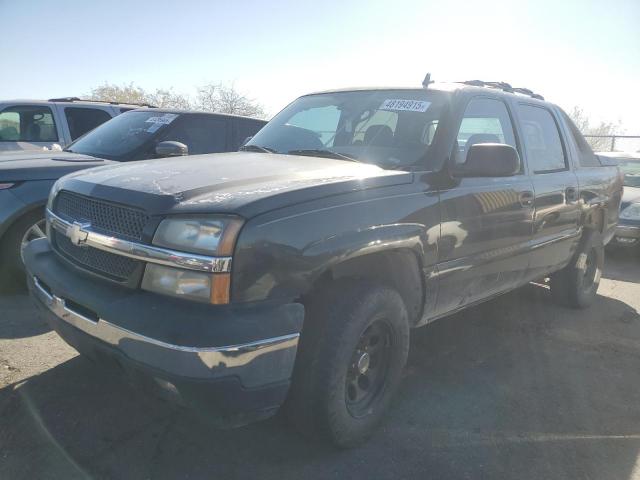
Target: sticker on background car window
405 105
165 119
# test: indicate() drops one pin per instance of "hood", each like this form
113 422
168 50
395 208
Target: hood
630 195
241 182
39 165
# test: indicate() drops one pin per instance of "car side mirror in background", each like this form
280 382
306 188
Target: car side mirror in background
171 149
489 160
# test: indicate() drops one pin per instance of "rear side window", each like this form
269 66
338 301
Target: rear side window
542 139
586 157
486 120
27 123
83 120
245 128
200 133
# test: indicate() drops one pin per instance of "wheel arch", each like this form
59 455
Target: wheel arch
10 222
398 268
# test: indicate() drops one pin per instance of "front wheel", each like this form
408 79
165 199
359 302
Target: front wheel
28 228
577 284
353 349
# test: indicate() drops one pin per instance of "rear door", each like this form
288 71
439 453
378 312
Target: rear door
555 184
486 222
81 119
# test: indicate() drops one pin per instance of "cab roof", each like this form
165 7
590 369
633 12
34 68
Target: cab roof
501 88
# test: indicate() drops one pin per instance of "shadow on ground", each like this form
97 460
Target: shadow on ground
12 318
515 388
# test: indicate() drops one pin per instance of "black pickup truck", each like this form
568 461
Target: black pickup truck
291 273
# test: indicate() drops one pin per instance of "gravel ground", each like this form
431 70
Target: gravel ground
514 388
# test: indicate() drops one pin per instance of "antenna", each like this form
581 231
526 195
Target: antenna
427 80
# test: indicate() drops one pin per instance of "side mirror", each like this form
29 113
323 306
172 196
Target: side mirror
171 149
489 160
246 140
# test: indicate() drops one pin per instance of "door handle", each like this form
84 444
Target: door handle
526 198
571 194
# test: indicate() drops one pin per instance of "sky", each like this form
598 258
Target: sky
584 53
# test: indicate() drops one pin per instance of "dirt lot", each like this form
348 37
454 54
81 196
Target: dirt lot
515 388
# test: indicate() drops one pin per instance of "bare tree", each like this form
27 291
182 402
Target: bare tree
130 93
210 98
169 99
125 93
226 99
603 129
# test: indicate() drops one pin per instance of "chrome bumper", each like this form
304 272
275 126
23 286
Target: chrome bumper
257 363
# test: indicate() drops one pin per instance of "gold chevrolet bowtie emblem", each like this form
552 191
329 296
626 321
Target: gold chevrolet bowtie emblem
77 233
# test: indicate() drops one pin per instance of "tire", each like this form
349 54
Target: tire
12 276
576 285
353 350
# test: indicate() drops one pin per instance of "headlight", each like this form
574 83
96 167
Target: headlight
207 236
632 212
176 282
211 236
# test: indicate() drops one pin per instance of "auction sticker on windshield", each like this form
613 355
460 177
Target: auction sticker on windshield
405 105
165 119
157 122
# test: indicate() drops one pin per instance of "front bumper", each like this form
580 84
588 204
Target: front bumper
627 235
242 354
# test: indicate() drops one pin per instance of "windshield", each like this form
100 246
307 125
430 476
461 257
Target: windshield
631 170
391 128
117 138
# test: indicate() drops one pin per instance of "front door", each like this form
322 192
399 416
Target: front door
486 222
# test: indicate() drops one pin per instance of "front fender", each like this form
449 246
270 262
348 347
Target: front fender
283 254
22 199
377 239
288 273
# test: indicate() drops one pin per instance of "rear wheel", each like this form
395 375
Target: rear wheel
577 284
28 228
352 352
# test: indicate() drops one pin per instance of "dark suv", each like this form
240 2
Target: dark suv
26 177
291 273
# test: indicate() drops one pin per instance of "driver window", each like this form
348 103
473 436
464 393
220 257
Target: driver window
27 123
322 120
485 120
200 133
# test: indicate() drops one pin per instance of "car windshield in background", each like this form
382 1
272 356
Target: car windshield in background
390 128
122 135
631 170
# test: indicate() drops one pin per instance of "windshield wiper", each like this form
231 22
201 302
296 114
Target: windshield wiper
257 148
323 153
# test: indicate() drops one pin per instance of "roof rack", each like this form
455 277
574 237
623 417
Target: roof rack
77 99
504 87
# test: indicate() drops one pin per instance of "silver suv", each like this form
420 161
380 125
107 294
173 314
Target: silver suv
37 124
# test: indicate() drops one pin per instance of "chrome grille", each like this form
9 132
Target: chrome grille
113 266
119 221
110 219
